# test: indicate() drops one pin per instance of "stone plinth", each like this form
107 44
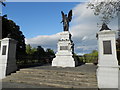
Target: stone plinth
7 57
64 56
107 72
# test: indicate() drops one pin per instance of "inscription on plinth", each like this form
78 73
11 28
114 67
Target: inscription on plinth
107 47
63 47
4 50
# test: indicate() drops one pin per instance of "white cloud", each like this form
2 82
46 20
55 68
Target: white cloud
83 29
47 41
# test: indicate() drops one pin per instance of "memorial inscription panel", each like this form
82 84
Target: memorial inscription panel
107 47
63 47
4 50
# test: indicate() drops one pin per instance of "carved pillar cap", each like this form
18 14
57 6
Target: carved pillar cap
104 27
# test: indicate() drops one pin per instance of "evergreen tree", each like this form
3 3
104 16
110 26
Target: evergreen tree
10 27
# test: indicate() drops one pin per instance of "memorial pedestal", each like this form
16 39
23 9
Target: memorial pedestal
64 56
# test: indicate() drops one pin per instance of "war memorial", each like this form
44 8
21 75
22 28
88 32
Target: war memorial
64 66
64 56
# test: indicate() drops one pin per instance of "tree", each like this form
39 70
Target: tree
107 9
40 52
10 27
50 52
29 49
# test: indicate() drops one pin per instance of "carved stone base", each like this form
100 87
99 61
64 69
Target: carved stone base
107 77
64 56
63 61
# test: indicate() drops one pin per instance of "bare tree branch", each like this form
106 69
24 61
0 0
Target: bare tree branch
106 9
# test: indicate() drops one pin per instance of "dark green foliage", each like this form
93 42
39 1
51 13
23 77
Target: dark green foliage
78 59
50 52
118 49
36 56
118 56
10 27
40 52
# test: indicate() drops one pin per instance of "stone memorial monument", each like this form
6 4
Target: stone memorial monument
7 56
107 72
64 55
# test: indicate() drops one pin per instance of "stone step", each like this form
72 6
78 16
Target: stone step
66 71
58 76
62 75
55 72
55 78
53 82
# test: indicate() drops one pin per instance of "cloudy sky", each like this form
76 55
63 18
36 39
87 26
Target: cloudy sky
83 26
83 29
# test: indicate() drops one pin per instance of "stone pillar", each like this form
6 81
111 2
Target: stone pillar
64 56
107 72
7 56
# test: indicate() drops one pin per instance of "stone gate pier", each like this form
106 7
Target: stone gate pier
7 57
107 72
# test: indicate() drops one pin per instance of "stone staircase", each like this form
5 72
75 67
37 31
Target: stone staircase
54 77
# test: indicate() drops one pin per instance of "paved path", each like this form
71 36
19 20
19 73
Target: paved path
21 85
86 68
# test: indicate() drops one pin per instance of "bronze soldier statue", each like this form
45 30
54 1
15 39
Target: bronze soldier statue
66 20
